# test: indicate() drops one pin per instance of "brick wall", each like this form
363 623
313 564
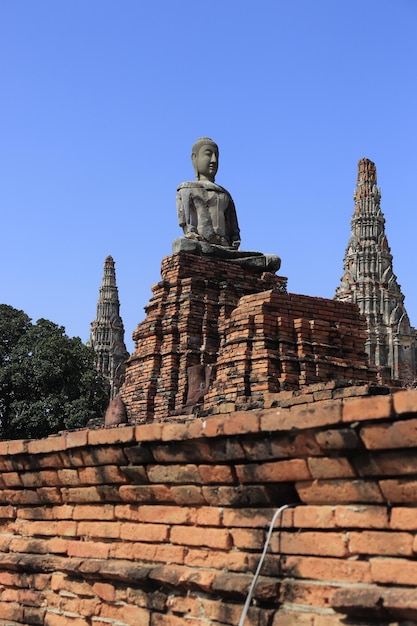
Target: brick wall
163 524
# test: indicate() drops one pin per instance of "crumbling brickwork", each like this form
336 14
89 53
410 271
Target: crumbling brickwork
255 336
163 524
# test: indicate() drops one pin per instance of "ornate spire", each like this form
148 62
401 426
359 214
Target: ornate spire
369 281
107 332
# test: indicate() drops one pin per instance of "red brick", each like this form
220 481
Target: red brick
105 530
276 471
401 434
101 475
193 536
216 474
155 553
173 474
394 571
111 436
89 549
49 495
248 539
338 439
145 493
401 491
338 491
44 446
234 560
311 543
403 518
398 463
99 455
361 516
333 570
323 413
247 518
102 512
64 528
104 591
144 532
76 438
159 514
405 401
12 479
324 467
381 543
17 446
7 512
177 431
361 409
148 432
187 495
84 495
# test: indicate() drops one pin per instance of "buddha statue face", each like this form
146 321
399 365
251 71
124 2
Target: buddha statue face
205 158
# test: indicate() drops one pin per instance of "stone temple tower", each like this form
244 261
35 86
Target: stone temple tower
107 332
369 281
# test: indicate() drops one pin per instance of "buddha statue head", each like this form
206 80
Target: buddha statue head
205 159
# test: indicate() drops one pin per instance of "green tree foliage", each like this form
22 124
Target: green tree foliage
48 381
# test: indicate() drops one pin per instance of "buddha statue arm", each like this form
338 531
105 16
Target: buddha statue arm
185 210
232 225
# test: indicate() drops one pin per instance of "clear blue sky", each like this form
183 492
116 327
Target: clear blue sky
102 100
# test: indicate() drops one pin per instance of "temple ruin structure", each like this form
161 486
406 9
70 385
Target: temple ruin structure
107 332
369 281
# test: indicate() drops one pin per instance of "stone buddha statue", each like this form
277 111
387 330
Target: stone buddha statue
207 215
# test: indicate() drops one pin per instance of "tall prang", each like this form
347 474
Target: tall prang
107 332
369 281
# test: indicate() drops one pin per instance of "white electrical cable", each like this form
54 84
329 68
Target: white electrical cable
261 561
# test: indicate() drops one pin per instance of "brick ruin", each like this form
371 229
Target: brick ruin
163 523
241 335
241 398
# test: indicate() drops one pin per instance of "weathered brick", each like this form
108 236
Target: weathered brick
103 512
105 530
371 408
405 401
403 518
310 543
338 491
63 528
325 467
111 436
44 446
324 413
173 474
276 471
234 560
327 568
216 474
88 549
401 491
76 438
401 434
193 536
338 439
361 516
381 543
156 514
394 571
145 493
144 532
